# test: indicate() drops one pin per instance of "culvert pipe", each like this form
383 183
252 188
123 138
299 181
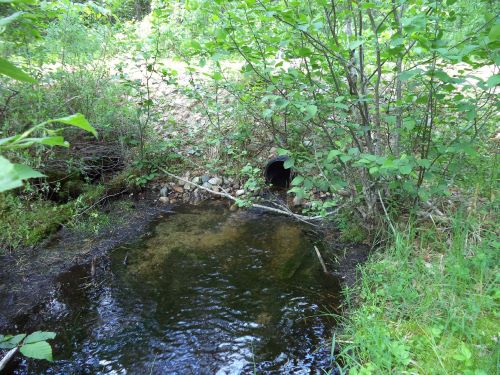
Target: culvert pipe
276 174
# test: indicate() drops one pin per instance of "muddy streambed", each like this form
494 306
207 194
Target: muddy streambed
204 291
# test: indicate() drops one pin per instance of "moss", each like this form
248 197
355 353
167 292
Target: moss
27 222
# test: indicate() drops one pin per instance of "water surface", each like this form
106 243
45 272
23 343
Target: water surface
207 291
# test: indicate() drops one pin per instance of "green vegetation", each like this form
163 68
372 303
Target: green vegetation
34 345
387 111
428 304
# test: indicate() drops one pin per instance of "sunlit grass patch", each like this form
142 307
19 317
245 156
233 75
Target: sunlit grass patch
428 304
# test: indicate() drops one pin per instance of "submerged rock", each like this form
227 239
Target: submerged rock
215 181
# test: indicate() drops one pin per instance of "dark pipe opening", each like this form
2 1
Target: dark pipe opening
276 174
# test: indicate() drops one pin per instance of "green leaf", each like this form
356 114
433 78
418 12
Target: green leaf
299 192
345 158
405 169
49 141
12 341
217 76
332 155
39 336
493 81
37 350
494 33
10 70
463 354
355 44
311 111
297 180
289 163
303 52
267 113
408 74
77 120
12 175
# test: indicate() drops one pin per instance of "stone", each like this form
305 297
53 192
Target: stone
178 189
233 208
215 181
196 180
205 178
216 189
207 185
164 191
297 201
188 187
163 200
239 192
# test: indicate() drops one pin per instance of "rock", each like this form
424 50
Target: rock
164 190
163 200
178 189
205 178
196 180
215 181
273 152
207 185
233 208
185 197
216 189
297 201
239 192
188 187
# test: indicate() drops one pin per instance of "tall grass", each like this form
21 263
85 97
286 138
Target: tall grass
428 304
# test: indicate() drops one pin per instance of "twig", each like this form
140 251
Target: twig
303 218
8 357
99 201
386 214
320 259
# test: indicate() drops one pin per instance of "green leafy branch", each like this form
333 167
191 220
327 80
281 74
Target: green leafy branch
33 346
12 175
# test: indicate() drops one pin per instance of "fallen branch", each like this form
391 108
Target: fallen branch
99 201
320 259
386 214
306 219
11 353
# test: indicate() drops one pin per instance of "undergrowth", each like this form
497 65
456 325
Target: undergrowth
26 222
428 304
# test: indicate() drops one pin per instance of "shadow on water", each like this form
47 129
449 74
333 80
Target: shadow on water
208 291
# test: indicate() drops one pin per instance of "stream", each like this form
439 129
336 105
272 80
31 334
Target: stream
204 291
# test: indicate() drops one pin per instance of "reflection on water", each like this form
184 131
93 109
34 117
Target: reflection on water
208 292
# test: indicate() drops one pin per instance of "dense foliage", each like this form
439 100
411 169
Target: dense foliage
387 110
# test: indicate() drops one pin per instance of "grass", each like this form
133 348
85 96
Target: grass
27 222
428 304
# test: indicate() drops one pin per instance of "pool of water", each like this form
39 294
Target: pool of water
206 291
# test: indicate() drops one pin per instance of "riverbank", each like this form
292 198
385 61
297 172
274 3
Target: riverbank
428 302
